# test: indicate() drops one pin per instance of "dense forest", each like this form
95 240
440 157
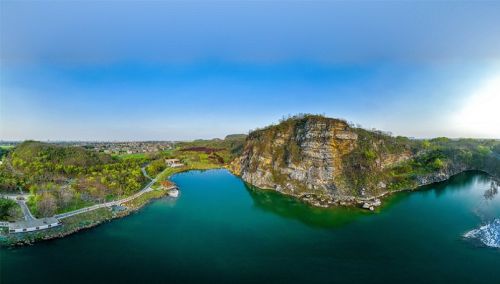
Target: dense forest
425 157
65 178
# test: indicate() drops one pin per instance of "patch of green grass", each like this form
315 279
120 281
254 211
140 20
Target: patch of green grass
86 219
31 203
131 156
145 198
168 152
191 166
169 172
75 205
6 147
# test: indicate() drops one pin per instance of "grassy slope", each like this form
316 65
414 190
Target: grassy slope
227 149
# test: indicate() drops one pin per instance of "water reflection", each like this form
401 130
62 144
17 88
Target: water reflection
291 208
168 201
461 181
491 192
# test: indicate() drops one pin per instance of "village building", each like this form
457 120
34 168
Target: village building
173 163
171 187
166 184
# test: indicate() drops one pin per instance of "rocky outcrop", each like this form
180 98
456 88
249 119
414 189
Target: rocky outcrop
326 161
441 175
296 158
308 157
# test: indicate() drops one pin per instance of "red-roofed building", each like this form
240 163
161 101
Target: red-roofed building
167 184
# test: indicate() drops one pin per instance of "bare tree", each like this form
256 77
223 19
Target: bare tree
47 205
64 196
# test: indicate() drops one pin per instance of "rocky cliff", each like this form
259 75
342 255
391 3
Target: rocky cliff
326 161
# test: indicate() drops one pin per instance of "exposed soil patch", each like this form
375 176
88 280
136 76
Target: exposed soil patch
216 158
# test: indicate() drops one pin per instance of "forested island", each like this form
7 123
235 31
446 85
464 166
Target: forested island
322 161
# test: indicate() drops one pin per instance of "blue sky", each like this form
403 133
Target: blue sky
127 70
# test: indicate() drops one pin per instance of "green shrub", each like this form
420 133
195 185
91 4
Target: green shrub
370 154
438 164
6 208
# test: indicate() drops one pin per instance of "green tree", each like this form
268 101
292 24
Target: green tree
437 164
6 206
370 154
426 144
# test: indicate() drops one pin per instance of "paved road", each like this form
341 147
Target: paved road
15 196
147 188
26 211
30 220
145 173
21 200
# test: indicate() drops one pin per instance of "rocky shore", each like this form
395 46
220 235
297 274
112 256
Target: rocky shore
81 222
373 202
329 162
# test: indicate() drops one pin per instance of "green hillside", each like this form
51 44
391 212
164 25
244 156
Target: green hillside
62 178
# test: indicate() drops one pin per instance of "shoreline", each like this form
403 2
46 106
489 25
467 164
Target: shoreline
389 193
88 220
372 202
100 216
80 222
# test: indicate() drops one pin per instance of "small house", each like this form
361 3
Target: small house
173 163
166 184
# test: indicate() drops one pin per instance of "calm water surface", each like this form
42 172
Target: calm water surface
221 231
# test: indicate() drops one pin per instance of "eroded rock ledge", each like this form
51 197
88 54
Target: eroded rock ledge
328 162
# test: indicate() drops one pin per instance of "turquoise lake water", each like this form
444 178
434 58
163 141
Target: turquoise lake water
221 231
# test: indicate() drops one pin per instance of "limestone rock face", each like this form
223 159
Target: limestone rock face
326 161
303 156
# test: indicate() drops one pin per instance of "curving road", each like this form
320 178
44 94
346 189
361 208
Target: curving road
26 211
147 188
143 169
31 223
